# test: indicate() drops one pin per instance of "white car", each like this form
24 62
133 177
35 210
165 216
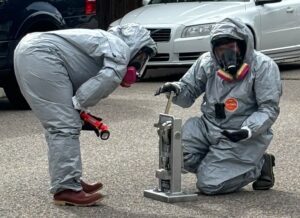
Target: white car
181 28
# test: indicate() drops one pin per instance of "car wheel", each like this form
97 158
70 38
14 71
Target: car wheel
15 96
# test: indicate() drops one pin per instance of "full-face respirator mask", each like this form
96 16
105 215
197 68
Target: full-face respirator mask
137 66
230 54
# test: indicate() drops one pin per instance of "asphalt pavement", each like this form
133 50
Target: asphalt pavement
126 163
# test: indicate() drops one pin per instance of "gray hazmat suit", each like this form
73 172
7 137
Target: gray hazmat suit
52 67
222 166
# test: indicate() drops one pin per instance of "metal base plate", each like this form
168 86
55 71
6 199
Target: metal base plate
170 198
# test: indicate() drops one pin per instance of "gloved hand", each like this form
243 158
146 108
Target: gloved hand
168 87
237 135
87 126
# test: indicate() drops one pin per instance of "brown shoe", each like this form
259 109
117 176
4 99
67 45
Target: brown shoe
76 198
91 188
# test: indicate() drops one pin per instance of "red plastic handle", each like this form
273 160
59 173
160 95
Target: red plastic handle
103 128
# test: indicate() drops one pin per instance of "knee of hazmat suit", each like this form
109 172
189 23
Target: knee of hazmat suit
142 49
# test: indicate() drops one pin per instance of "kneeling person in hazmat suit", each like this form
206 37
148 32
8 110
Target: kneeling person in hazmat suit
61 73
225 147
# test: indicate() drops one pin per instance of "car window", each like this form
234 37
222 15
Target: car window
175 1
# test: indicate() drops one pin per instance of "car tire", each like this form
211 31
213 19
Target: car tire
15 96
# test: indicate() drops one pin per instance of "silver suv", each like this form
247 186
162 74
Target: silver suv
181 28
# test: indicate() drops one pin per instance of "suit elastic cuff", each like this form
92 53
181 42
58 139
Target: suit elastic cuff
77 105
249 131
177 85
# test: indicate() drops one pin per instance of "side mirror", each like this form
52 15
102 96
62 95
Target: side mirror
262 2
146 2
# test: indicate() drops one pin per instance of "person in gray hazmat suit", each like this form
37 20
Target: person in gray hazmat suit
225 147
63 72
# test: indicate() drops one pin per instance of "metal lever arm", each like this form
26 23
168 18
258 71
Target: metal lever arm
169 103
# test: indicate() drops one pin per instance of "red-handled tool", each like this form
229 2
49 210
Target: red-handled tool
97 123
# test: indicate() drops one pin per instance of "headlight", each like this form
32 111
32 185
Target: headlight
197 30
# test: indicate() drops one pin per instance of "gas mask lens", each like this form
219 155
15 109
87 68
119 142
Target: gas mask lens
229 61
229 58
139 62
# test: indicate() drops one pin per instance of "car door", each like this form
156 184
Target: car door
280 29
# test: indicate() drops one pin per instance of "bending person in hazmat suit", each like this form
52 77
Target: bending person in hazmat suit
225 147
61 73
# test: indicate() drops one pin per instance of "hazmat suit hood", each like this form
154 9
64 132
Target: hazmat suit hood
135 36
233 28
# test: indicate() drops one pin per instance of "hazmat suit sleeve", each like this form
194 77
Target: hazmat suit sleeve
104 83
267 88
192 84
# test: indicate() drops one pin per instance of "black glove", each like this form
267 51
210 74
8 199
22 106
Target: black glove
88 127
168 87
237 135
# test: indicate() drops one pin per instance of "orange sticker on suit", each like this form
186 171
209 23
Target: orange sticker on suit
231 104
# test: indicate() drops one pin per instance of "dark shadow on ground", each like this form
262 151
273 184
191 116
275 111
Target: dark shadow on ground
5 105
170 78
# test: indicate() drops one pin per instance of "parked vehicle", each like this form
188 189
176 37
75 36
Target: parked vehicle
181 28
19 17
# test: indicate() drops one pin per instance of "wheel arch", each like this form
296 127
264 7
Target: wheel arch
36 14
